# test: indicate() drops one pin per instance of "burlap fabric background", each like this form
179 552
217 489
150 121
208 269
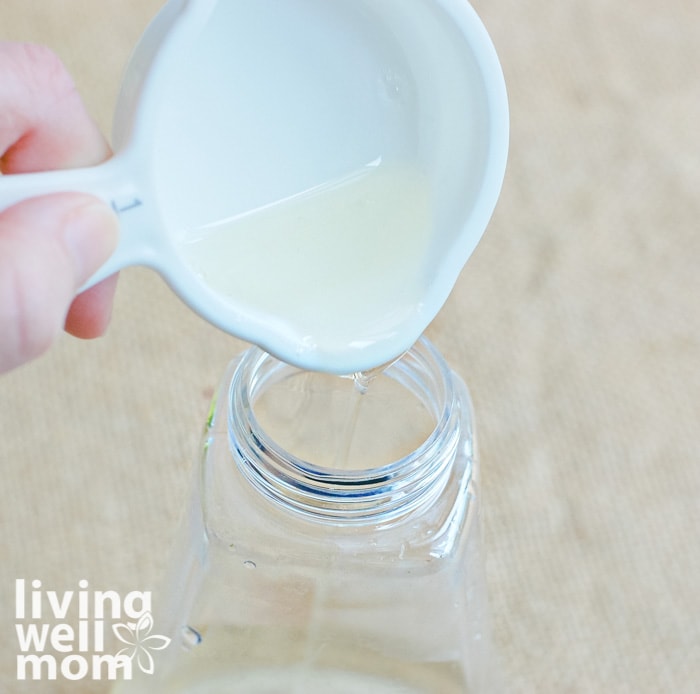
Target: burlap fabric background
575 324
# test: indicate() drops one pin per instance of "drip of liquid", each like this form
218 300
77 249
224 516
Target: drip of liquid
343 266
362 381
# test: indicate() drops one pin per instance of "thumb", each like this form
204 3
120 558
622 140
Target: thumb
49 247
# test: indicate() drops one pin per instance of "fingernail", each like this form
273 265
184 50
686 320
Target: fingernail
91 233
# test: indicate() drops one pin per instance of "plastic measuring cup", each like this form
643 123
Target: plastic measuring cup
340 160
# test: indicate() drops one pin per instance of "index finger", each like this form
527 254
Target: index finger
43 121
44 125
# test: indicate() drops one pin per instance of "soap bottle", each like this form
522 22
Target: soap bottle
333 543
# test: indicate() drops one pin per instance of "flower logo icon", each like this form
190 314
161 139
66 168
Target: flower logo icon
139 642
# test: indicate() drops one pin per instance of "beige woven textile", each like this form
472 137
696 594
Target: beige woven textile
575 324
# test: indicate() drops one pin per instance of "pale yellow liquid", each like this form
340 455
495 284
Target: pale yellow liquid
341 266
277 661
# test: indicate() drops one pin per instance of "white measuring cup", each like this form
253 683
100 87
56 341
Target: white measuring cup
308 175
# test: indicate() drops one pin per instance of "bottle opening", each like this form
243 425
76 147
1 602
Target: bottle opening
345 447
343 423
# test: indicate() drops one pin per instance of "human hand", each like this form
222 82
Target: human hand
49 245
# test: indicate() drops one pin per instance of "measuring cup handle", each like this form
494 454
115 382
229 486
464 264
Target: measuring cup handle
108 181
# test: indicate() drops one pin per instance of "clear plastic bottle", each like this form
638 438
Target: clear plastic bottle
334 540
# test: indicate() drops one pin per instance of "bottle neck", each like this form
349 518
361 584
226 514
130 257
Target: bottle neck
335 494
